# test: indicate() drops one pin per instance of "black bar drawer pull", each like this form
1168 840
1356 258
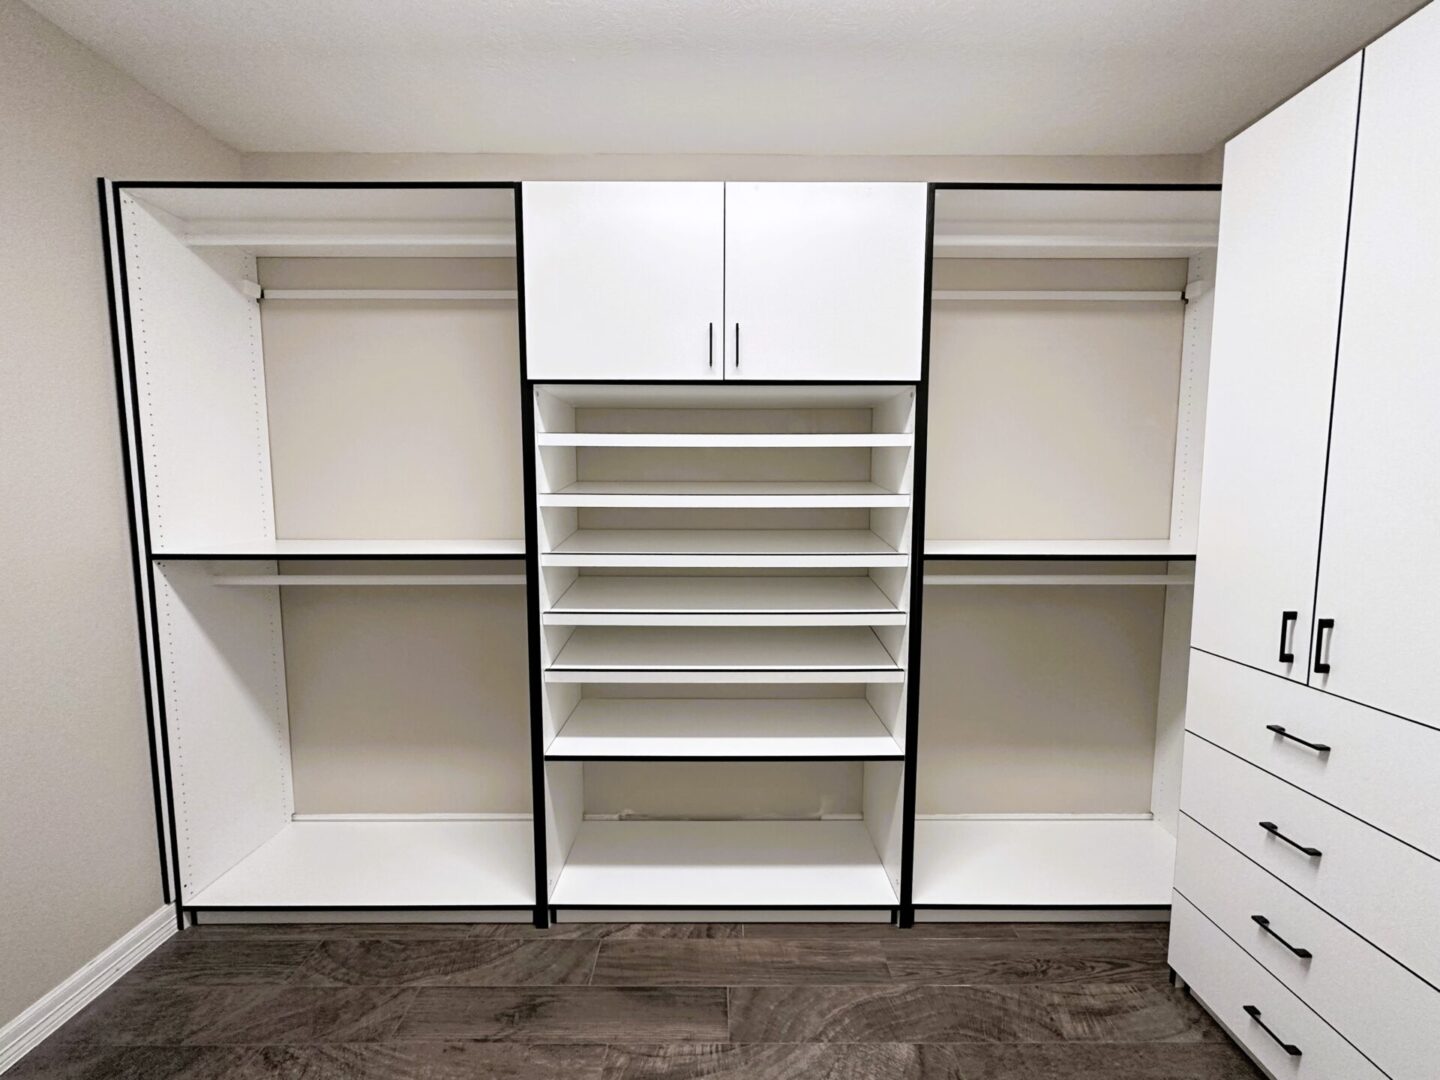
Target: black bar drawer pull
1287 623
1322 627
1289 1048
1274 830
1318 747
737 346
711 339
1264 924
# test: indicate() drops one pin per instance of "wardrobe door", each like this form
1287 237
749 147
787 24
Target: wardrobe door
1280 270
1378 578
624 280
824 281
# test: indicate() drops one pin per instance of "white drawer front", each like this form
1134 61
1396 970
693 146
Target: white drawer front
1379 767
1384 890
1222 976
1385 1011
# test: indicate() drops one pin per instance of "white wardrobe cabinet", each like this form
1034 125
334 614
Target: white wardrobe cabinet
1277 307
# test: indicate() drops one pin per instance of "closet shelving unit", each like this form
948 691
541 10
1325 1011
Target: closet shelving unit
1069 337
724 579
322 591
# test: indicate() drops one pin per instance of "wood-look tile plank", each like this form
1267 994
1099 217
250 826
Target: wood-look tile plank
775 1061
613 931
567 1014
185 962
980 961
879 931
1100 1061
738 962
311 931
1075 931
71 1061
1119 1012
425 1061
449 962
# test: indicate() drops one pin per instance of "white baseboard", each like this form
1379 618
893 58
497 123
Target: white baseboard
39 1021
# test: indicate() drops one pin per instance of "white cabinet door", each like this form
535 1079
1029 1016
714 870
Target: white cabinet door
624 280
1279 274
1378 577
824 282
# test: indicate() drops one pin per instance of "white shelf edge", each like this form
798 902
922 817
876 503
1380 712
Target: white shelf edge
712 676
1050 580
1063 295
349 580
714 441
700 561
389 294
753 618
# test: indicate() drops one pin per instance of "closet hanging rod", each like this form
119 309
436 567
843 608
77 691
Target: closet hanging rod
1058 579
1077 295
368 579
259 293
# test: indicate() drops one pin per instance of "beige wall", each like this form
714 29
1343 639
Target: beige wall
78 861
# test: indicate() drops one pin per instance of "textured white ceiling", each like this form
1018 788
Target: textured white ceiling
725 76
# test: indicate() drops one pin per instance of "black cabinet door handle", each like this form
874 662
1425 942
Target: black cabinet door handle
1322 627
1264 924
1289 1048
710 337
1274 830
1287 621
1318 747
737 346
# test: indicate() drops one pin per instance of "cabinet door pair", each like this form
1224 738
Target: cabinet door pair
696 281
1321 500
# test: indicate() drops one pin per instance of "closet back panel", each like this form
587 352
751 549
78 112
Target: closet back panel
408 699
724 790
1054 419
1039 699
394 418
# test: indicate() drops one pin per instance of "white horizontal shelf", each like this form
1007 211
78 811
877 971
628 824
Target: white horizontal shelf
724 547
348 549
1052 580
724 728
712 441
724 601
1058 549
717 864
1059 862
1117 242
384 864
779 494
297 242
708 677
1078 296
390 294
702 649
350 580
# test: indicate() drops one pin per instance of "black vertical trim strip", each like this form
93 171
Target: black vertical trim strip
906 916
159 697
1335 379
532 585
137 563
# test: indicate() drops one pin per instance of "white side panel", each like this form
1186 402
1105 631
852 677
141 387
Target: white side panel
1277 304
624 280
564 811
1190 414
201 381
824 281
1382 497
884 800
1170 707
223 662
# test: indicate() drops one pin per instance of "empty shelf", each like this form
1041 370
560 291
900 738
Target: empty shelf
724 547
1058 549
724 728
782 494
350 549
716 864
1043 863
689 439
822 648
391 245
383 864
724 601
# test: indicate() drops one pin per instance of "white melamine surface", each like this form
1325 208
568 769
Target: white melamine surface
338 864
818 648
281 243
737 543
723 864
779 440
1058 549
781 494
1047 863
351 549
708 676
724 727
824 281
1277 309
715 595
624 280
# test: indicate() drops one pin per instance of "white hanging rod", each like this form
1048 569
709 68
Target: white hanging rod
369 579
1113 295
1058 579
256 292
1136 816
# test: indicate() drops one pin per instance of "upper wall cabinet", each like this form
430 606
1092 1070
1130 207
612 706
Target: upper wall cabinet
694 281
1382 500
1285 205
824 282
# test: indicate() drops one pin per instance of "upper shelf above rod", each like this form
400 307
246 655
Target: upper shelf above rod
368 579
1079 295
258 292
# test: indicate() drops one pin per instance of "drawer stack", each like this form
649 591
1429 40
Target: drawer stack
1308 876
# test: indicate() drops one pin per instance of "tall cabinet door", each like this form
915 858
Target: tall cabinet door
624 280
1280 268
824 281
1378 575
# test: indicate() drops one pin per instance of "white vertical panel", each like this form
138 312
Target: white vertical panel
884 802
1170 707
1382 497
564 811
223 661
1277 302
1190 413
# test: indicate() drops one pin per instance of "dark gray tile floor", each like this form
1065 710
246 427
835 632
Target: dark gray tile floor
958 1001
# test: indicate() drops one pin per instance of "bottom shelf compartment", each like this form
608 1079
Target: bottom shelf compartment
382 864
1043 863
718 864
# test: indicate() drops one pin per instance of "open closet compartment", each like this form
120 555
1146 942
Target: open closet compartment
724 602
323 393
1069 342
